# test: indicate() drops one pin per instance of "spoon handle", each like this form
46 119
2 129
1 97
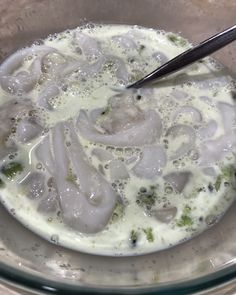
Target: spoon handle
190 56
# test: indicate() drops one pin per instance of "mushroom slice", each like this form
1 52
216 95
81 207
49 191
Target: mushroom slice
164 215
118 170
86 207
186 112
35 182
88 45
22 81
228 113
152 161
27 130
182 136
146 131
102 155
208 130
212 151
178 180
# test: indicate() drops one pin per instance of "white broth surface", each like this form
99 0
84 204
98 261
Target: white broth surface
92 166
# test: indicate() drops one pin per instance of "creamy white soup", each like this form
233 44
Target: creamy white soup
87 164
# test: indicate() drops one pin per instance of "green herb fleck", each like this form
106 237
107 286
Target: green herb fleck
149 234
62 37
228 171
233 94
146 198
131 60
11 169
133 237
187 210
118 212
218 182
200 189
136 75
109 65
226 177
71 177
141 48
185 220
177 40
2 184
153 187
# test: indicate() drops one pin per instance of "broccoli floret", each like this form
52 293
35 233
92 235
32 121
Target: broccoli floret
187 210
109 65
136 75
185 220
218 182
177 40
11 169
149 234
71 177
118 213
228 172
2 184
147 198
133 237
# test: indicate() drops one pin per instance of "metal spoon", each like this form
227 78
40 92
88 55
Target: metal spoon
188 57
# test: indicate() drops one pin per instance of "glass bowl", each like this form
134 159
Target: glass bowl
208 261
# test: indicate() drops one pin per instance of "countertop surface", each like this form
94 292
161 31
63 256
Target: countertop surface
7 290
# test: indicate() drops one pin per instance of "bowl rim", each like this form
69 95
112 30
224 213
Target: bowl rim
26 281
32 282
